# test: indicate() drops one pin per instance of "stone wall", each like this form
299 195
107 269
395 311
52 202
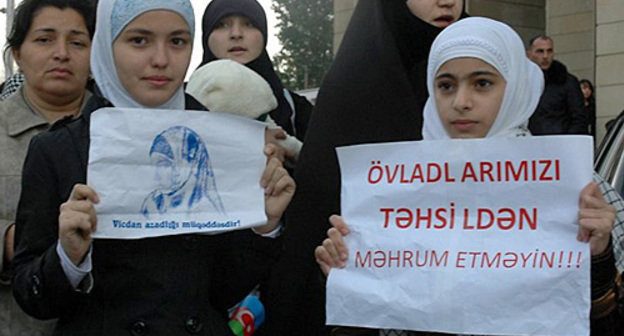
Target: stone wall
527 17
609 60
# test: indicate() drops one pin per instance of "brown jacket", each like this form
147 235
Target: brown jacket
18 124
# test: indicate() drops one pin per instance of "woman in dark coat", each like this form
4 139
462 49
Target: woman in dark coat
374 92
589 100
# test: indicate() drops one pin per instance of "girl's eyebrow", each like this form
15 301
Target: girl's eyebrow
142 31
138 31
180 32
445 75
482 73
476 73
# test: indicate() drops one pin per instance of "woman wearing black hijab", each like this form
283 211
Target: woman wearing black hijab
374 92
223 38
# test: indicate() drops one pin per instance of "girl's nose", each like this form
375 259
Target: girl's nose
446 3
463 100
236 31
161 57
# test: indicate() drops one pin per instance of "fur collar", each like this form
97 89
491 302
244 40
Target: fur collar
557 73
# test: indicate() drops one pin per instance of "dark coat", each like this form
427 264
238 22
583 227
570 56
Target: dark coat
159 286
590 112
303 112
561 109
373 92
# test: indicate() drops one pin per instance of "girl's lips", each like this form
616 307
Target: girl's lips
444 21
237 50
463 125
158 81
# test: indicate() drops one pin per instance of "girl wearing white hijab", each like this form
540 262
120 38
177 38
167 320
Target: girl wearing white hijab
482 85
161 286
499 46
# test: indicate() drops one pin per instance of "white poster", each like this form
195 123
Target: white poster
165 172
465 236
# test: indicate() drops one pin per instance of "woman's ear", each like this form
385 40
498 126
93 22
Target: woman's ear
16 56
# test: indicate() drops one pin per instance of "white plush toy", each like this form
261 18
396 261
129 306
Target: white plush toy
229 87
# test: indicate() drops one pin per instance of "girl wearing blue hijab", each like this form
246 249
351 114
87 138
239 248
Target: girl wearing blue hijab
161 286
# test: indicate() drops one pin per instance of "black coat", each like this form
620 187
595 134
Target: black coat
374 92
158 286
303 112
590 112
561 109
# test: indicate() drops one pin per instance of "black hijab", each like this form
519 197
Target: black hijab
219 9
374 92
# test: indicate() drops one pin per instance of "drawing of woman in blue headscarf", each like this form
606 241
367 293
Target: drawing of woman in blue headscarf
183 173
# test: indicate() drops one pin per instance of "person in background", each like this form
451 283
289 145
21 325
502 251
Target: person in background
51 42
168 285
560 110
589 99
237 30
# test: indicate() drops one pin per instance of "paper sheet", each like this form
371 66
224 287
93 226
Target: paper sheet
465 236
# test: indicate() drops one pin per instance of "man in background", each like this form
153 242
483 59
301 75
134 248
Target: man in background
560 110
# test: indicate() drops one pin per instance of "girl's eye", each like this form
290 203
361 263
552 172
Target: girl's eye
178 42
139 40
221 24
483 83
444 86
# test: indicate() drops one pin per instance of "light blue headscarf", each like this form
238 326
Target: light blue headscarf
112 17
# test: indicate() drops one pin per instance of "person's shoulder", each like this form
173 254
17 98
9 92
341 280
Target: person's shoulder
573 80
16 117
561 72
557 74
5 106
12 103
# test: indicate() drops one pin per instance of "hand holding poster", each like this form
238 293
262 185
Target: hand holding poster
163 172
464 236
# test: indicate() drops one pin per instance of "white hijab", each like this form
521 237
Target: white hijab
112 17
500 46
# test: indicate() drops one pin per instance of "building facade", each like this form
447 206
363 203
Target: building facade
588 35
